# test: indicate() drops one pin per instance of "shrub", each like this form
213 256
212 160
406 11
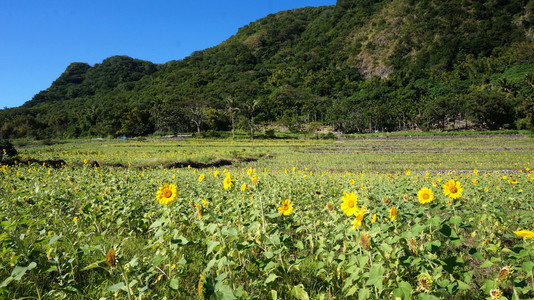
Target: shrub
270 133
7 148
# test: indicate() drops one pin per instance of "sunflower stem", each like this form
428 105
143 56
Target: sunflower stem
222 238
38 293
262 215
282 263
163 272
171 225
381 253
126 281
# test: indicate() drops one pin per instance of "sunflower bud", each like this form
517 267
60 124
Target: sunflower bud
110 257
330 206
424 283
202 286
199 211
338 271
413 246
504 273
365 241
495 294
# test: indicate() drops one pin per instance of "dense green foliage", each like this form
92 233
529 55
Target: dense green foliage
359 66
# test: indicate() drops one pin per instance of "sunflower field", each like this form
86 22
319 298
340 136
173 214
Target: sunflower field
302 220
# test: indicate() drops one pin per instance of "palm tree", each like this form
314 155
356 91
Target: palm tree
231 106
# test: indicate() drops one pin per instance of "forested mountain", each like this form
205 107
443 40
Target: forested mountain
358 66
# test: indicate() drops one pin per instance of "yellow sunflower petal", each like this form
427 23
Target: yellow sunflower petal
524 233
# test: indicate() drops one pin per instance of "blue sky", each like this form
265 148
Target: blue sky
39 39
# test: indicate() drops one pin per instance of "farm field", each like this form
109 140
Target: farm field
376 154
423 217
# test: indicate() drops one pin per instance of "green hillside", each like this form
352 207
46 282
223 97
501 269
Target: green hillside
358 66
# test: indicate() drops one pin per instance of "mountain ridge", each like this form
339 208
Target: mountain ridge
358 66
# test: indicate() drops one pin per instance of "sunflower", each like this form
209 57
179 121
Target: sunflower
452 189
392 214
166 194
425 195
373 219
349 205
351 182
358 221
227 183
286 209
244 187
201 177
